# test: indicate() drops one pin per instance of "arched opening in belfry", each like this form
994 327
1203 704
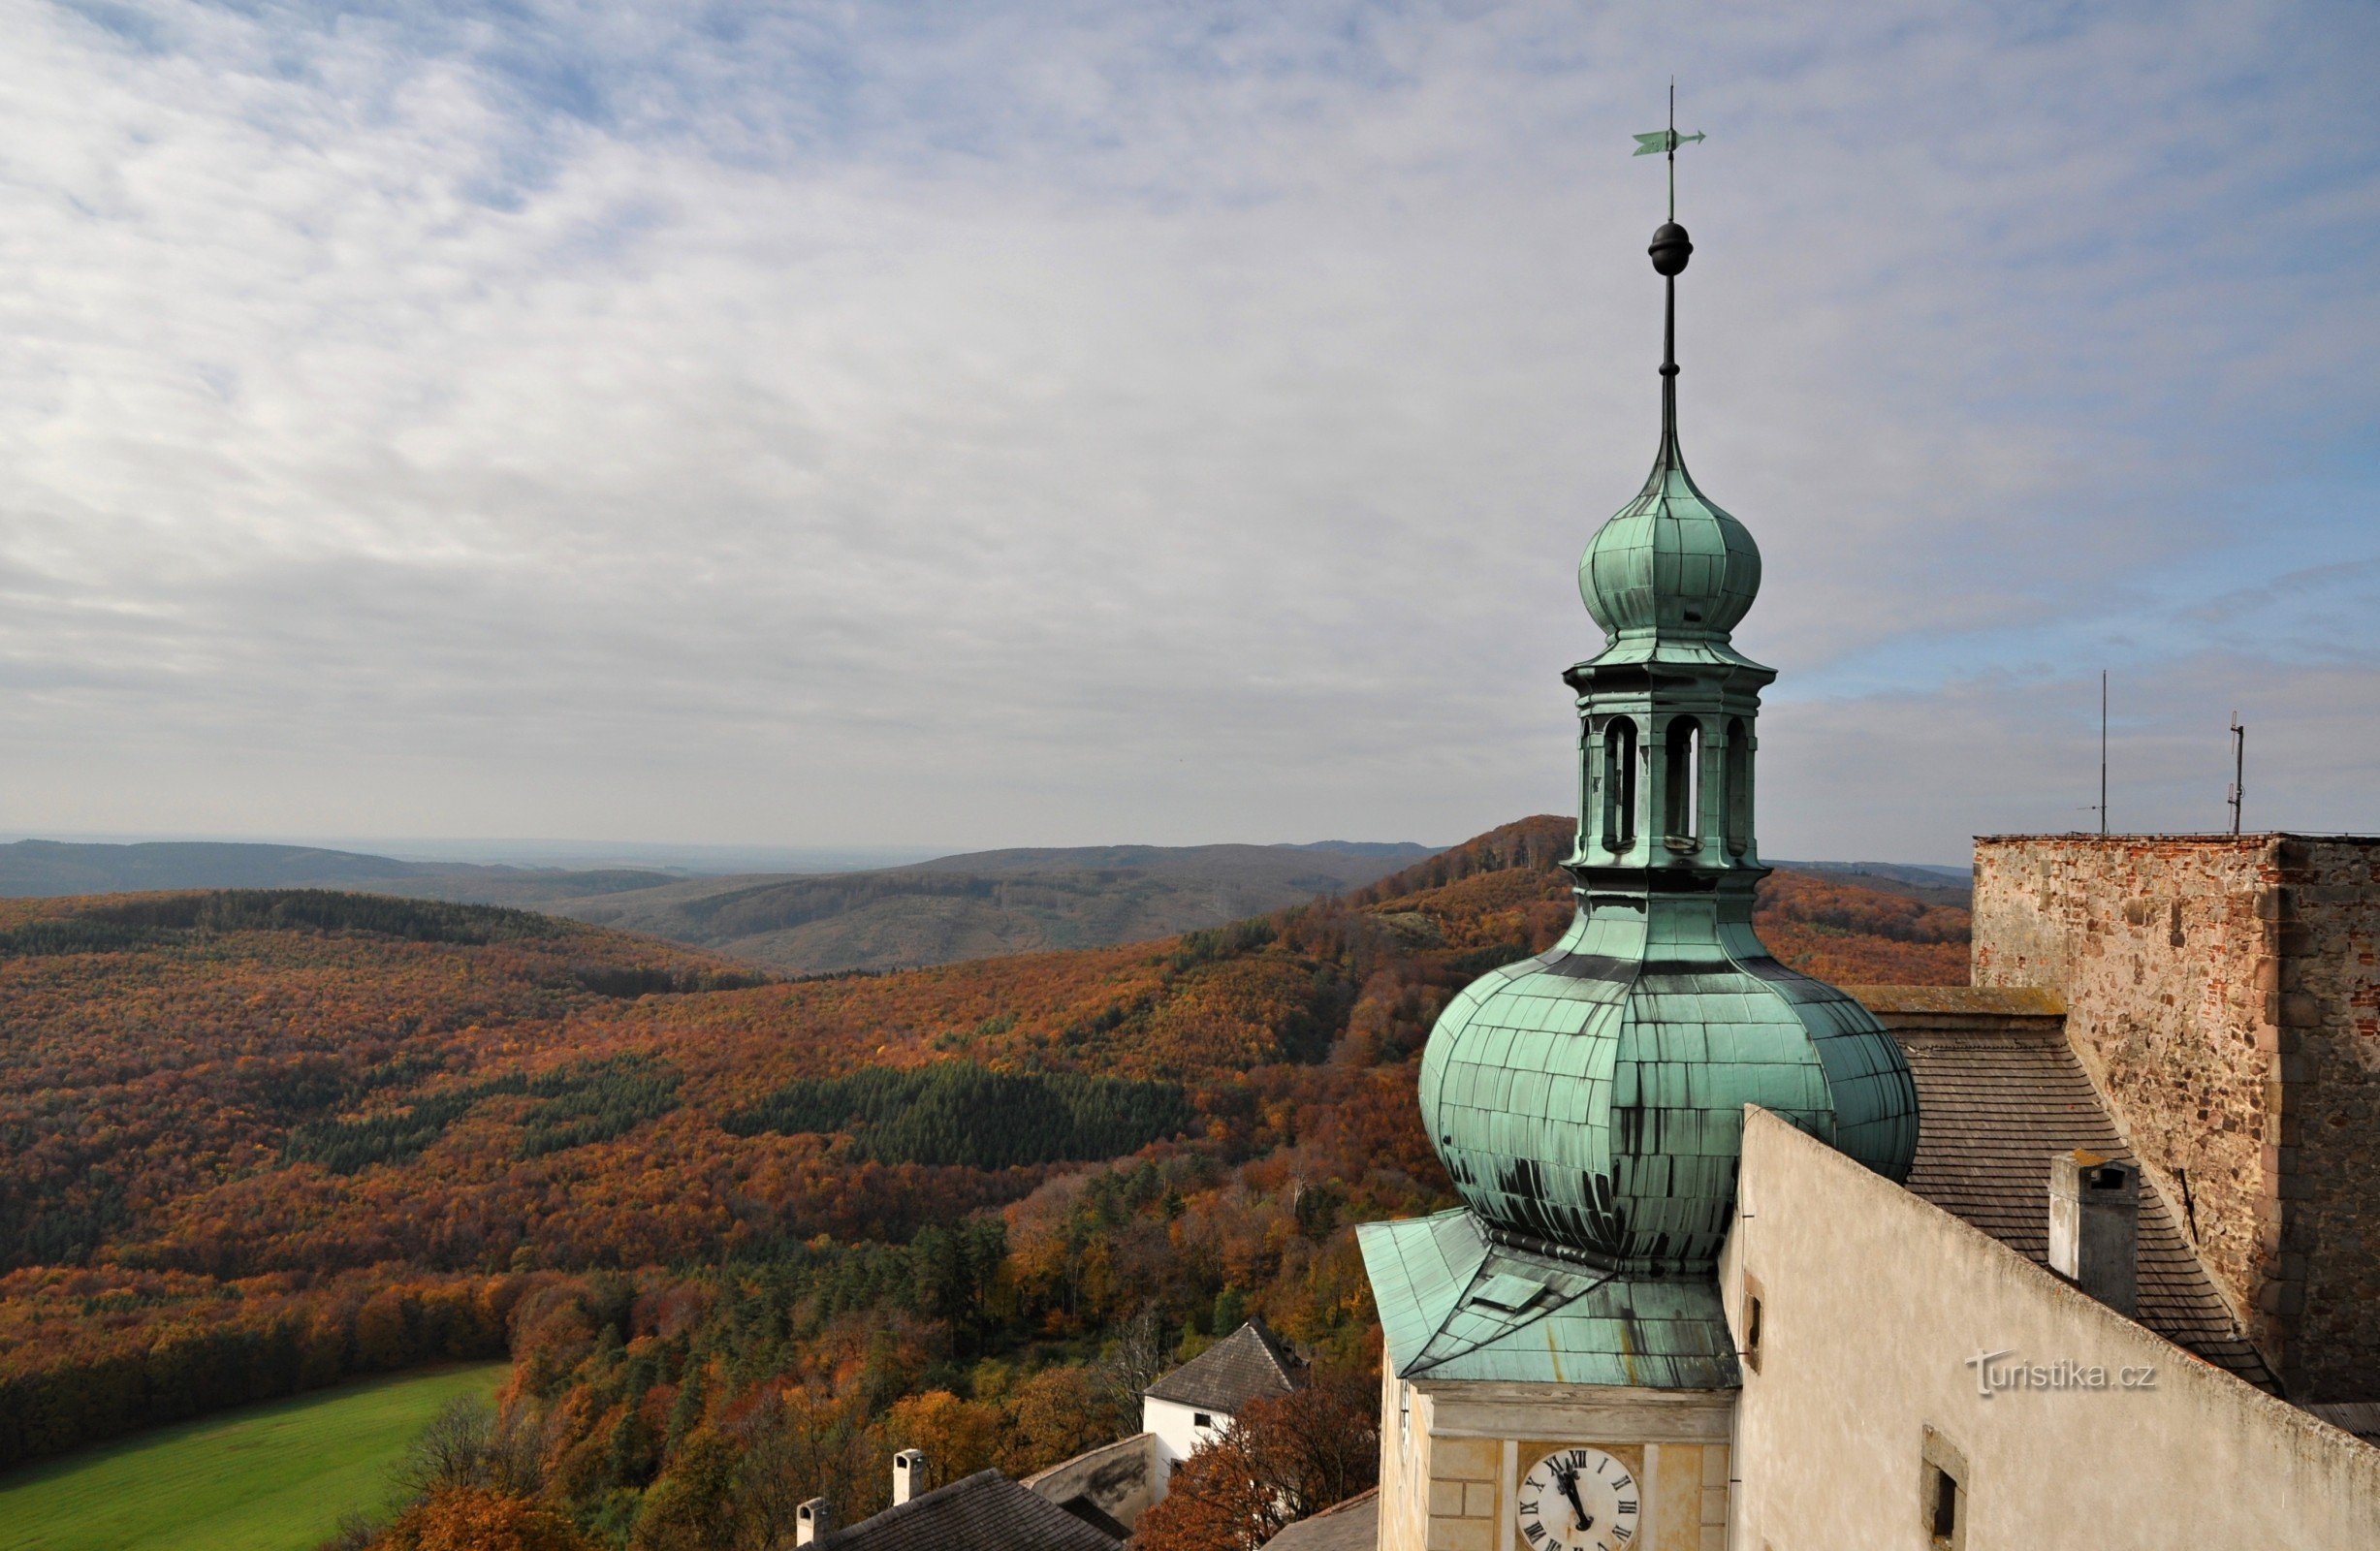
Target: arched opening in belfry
1682 780
1619 783
1738 793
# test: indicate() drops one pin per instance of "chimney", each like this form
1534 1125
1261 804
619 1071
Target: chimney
812 1522
909 1475
2095 1227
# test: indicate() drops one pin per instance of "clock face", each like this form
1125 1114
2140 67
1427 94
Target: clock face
1578 1500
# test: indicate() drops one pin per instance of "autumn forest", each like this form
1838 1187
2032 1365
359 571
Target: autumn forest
741 1237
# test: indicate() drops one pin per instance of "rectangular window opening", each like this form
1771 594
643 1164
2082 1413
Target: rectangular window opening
1944 1517
1942 1503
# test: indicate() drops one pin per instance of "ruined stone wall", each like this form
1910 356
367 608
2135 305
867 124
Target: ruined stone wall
2219 991
2329 1149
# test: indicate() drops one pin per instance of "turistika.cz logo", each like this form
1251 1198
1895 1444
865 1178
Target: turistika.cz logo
1999 1372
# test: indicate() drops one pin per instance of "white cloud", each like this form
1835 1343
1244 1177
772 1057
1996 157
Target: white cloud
994 424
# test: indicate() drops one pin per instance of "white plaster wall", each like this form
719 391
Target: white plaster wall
1872 1301
1177 1434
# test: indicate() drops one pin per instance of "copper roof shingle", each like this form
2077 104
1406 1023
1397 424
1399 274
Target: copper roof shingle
1249 1364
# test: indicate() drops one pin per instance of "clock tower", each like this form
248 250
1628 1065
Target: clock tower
1556 1347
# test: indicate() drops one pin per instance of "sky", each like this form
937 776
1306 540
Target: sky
973 424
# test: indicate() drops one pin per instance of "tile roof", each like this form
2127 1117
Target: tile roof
985 1511
2360 1417
1249 1364
1997 1098
1354 1524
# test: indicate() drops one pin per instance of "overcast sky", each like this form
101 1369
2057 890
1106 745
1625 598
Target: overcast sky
1001 424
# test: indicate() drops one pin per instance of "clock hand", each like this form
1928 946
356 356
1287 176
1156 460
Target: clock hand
1569 1489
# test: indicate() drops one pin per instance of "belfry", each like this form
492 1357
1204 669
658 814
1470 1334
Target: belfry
1559 1341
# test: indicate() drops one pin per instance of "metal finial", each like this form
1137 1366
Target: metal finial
1670 251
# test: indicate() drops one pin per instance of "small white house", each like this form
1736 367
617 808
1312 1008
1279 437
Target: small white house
1199 1400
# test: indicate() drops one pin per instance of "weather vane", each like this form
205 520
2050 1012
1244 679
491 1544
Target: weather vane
1665 141
1671 250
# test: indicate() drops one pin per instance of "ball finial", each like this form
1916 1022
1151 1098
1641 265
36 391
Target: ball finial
1670 249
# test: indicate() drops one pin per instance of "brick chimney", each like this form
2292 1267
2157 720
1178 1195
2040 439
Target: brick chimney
812 1522
908 1476
2095 1227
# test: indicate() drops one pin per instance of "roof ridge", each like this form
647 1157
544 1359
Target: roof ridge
900 1511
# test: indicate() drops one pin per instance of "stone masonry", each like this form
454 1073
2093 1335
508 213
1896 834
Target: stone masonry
2223 995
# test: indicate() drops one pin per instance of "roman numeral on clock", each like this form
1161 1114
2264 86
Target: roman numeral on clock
1628 1505
1535 1531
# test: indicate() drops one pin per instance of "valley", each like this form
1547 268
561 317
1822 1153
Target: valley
974 905
263 1140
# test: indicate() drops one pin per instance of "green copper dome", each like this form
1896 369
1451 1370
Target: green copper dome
1671 561
1589 1103
1592 1098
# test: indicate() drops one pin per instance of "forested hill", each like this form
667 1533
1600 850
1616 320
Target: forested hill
987 904
257 1140
973 905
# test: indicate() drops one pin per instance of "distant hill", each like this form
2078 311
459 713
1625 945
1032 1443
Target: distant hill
952 908
54 869
985 904
262 1139
977 905
1953 886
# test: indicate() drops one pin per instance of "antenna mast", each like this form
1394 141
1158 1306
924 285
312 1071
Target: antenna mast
2239 766
2103 750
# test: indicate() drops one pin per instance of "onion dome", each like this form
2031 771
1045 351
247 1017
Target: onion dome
1591 1099
1669 562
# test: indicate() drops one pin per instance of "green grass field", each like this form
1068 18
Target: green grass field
272 1477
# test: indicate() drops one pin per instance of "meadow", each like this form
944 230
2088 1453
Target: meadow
274 1477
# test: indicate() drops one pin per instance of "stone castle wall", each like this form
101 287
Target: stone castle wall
2330 1154
2221 993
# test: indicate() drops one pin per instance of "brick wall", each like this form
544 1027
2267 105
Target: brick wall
2221 993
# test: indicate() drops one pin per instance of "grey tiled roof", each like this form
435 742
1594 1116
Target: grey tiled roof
1997 1097
1354 1524
1249 1364
985 1511
2360 1417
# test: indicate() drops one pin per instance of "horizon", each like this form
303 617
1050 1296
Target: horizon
526 851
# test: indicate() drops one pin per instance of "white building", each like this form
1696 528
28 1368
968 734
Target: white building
1197 1401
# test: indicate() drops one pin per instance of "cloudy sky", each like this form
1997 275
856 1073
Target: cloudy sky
994 423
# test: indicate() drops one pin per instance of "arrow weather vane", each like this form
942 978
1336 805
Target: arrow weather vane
1665 141
1669 252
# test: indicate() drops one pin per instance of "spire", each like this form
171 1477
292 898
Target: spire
1587 1104
1672 571
1669 250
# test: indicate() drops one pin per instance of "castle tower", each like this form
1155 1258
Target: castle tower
1559 1369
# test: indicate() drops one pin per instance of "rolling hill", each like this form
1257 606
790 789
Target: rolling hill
987 904
260 1140
955 907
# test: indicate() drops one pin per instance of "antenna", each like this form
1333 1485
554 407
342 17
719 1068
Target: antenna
2103 750
2239 766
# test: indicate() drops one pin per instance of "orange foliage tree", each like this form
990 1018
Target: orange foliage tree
1283 1458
